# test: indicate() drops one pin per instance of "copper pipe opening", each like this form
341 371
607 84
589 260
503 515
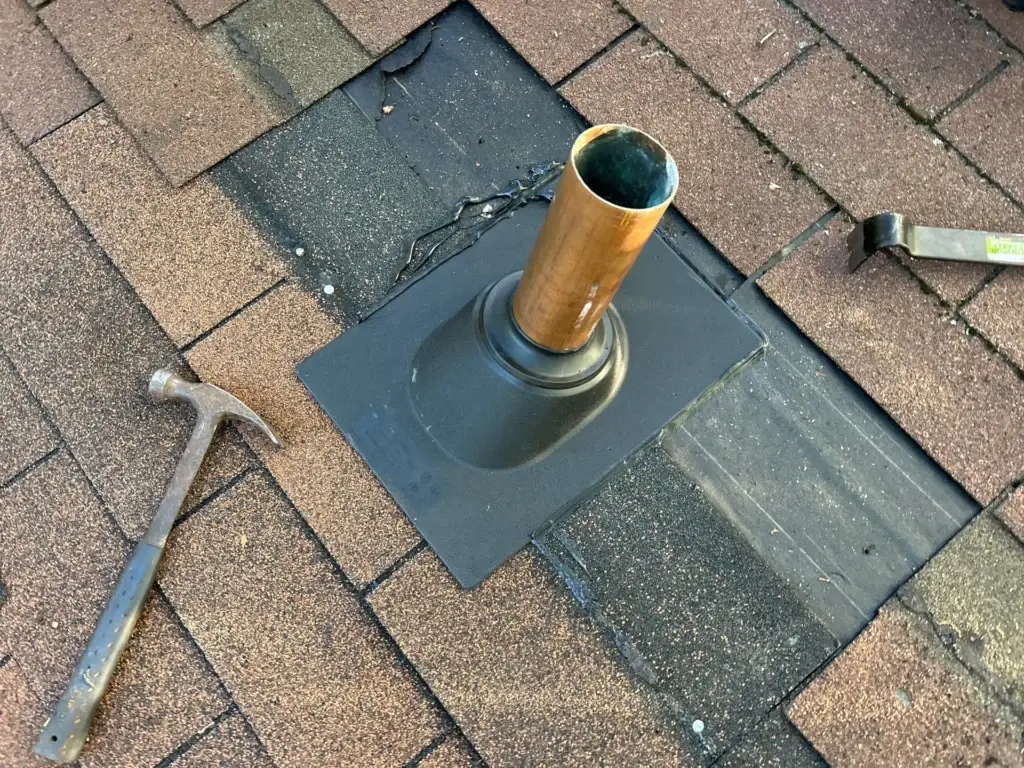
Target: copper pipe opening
613 192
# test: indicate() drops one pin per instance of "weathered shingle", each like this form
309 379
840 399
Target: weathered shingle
734 46
254 356
959 401
169 86
86 347
59 563
310 670
896 695
929 53
40 88
188 252
529 680
380 24
553 36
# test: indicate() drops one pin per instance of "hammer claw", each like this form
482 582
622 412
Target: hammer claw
242 412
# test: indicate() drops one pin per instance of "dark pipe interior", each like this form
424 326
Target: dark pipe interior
627 168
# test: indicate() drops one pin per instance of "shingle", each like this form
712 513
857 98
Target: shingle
295 47
166 83
929 53
380 24
59 564
1002 18
871 156
740 195
528 679
553 36
254 356
959 401
39 86
24 434
773 743
1012 514
451 754
973 592
339 196
21 716
188 252
313 675
987 129
998 312
86 347
670 572
895 692
230 744
723 41
202 12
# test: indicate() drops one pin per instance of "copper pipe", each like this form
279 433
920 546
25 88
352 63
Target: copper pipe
615 188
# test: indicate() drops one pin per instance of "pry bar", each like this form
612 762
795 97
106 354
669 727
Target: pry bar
889 230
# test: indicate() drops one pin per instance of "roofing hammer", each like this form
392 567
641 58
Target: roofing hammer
65 731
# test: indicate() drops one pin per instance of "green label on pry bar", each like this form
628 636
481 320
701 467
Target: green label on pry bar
1005 248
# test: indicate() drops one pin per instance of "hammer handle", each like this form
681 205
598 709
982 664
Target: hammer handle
64 734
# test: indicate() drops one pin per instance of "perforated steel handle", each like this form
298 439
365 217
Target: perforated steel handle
64 734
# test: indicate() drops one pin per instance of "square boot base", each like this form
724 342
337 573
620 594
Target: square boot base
682 339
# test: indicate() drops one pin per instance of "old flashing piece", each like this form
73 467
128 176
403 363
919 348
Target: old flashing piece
495 392
65 731
892 230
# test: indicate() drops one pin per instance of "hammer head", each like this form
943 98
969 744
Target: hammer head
210 401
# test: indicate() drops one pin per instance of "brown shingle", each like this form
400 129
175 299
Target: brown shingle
740 195
24 434
202 12
313 675
929 53
871 156
960 402
723 41
1002 18
230 744
21 716
451 754
987 129
897 696
86 347
998 312
380 24
166 83
1011 512
59 564
527 677
39 86
188 252
555 36
973 590
254 356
